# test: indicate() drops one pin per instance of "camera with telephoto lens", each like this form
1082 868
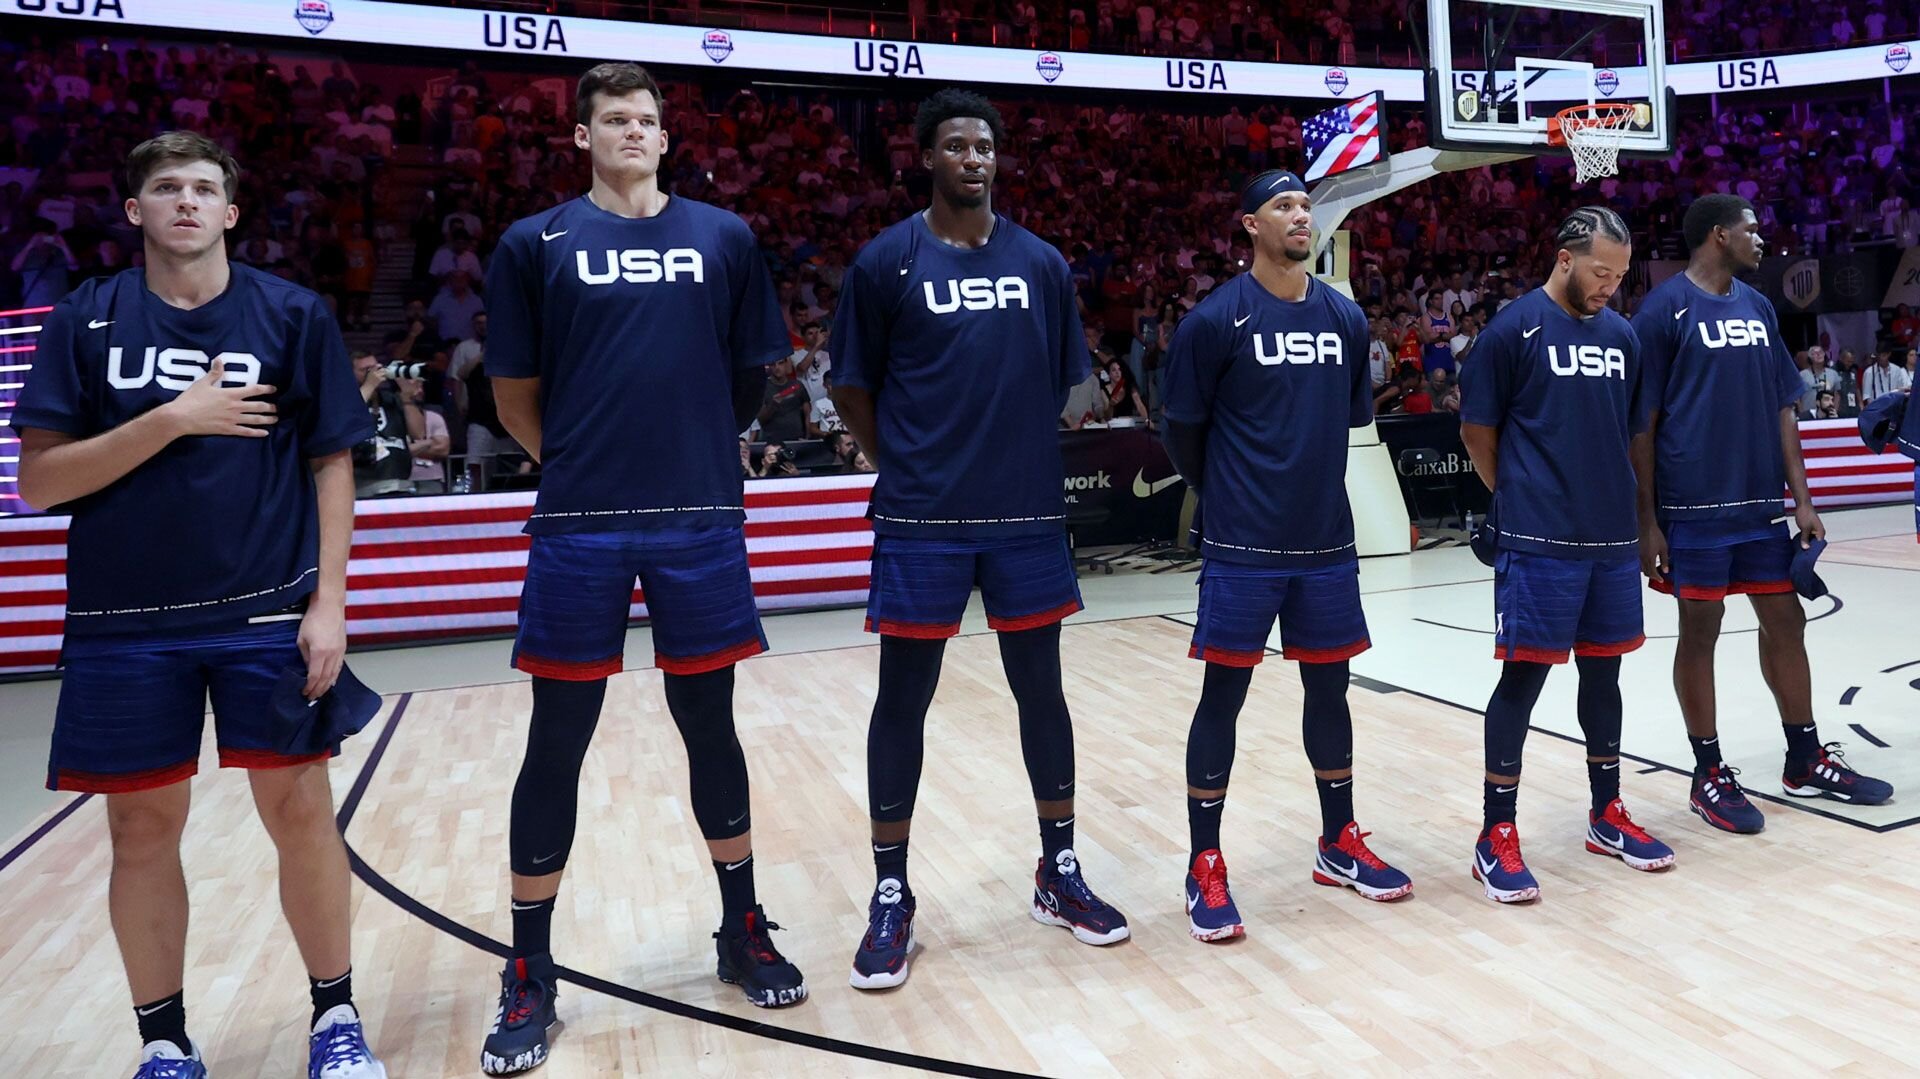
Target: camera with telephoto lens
405 370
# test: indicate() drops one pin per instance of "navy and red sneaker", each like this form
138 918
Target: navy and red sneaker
1348 863
1720 801
747 958
1498 867
1827 776
1211 914
1611 831
525 1020
886 953
1061 897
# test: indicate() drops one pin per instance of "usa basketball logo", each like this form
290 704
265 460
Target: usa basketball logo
313 15
1049 66
1336 80
718 45
1606 80
1897 57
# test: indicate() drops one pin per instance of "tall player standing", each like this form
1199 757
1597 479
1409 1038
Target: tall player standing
954 347
1263 380
1722 441
190 399
1547 410
630 330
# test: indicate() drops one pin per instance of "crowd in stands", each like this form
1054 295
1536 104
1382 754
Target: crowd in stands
340 179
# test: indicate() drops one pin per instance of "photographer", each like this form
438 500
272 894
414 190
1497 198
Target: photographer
383 465
777 460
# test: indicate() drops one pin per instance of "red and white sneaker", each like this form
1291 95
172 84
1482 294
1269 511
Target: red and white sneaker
1348 863
1211 914
1612 832
1498 867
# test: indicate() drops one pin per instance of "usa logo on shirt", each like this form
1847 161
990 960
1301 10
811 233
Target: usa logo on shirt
1898 57
1049 66
718 45
1336 80
316 15
1606 80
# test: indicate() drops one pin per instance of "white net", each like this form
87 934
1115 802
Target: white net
1593 134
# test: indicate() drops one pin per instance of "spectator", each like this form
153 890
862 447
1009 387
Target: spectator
783 410
431 449
1849 371
487 438
1123 397
746 460
44 264
357 280
776 460
860 462
1884 376
1818 378
1379 351
382 465
1443 391
1905 327
811 361
842 445
1826 406
456 255
453 308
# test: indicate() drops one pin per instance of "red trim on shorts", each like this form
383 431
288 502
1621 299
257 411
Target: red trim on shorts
711 661
1325 655
1618 648
569 670
921 631
1759 588
1707 593
1226 657
1036 619
1524 654
65 779
267 758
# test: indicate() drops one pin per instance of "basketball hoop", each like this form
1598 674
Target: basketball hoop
1593 133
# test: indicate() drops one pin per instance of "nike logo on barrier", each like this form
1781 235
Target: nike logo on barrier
1530 333
549 237
1241 321
1677 314
1143 489
97 323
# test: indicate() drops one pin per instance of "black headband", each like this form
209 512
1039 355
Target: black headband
1263 188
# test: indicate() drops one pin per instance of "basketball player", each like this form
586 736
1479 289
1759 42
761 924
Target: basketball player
1546 414
630 331
1720 389
954 347
1263 380
196 418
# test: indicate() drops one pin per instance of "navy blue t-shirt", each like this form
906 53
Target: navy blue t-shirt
214 528
634 327
1717 375
969 353
1277 384
1561 391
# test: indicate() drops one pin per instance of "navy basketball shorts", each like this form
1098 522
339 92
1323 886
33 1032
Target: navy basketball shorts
1318 609
919 587
133 707
1547 607
575 606
1703 568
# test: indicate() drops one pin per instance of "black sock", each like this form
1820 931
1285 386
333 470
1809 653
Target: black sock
330 993
1336 805
164 1020
890 861
1203 824
1803 746
736 888
1055 836
532 927
1603 778
1502 799
1706 753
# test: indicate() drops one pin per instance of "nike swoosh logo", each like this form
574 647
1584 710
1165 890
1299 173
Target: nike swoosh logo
1530 333
883 850
1215 775
526 906
1351 872
1143 489
158 1007
1068 823
1192 902
1486 867
904 270
1210 805
96 324
895 805
1609 767
1617 843
741 862
1241 321
1677 314
736 820
1341 783
1065 785
549 237
1504 764
336 981
548 858
1711 741
1504 790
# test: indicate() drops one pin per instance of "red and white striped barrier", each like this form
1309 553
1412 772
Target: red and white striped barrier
1841 471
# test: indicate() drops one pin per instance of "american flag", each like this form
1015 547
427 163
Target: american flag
1343 137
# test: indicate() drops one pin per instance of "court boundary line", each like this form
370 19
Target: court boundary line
47 826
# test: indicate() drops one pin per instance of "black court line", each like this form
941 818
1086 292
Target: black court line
1901 666
1650 771
1847 697
1837 607
1857 729
41 832
466 935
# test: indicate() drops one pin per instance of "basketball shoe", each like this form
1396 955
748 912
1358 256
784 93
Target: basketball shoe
1828 776
337 1048
1211 914
1718 799
524 1023
165 1060
747 958
886 952
1061 897
1611 831
1348 863
1498 867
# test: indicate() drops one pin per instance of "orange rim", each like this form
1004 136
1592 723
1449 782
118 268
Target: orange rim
1599 114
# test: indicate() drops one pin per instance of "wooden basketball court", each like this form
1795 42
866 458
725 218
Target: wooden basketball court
1790 951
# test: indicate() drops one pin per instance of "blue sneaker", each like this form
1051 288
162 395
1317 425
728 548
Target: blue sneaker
1348 863
745 956
1720 801
1211 914
1498 867
1829 777
1061 897
165 1060
524 1024
337 1048
1612 832
886 952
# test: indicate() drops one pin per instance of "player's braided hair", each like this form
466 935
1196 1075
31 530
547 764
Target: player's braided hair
1579 228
